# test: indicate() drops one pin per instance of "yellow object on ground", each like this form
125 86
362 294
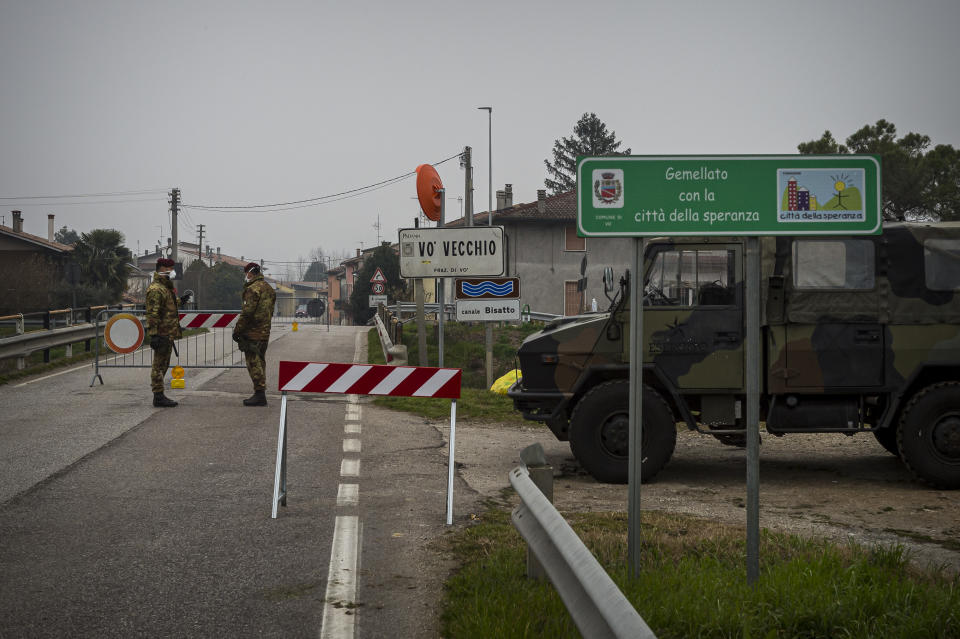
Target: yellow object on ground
295 326
503 384
177 373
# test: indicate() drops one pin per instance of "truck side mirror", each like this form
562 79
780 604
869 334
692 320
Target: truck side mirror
607 279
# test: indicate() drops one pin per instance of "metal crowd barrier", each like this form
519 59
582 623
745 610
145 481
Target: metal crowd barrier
213 349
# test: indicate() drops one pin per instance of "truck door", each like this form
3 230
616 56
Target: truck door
693 314
833 282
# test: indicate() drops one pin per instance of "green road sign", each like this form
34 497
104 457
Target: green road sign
634 196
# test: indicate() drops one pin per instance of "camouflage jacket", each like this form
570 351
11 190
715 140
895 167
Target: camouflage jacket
257 312
162 315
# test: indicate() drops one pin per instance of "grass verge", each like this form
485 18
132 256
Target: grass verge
693 584
476 402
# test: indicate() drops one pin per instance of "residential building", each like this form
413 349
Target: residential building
542 249
31 267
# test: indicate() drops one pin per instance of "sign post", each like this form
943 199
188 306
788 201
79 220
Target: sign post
642 196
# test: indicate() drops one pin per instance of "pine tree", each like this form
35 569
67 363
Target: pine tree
590 138
919 183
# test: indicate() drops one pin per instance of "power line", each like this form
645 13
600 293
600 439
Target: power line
86 203
80 195
315 201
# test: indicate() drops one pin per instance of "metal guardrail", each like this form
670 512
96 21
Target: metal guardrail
43 330
27 343
597 606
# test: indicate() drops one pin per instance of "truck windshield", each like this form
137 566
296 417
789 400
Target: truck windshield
690 277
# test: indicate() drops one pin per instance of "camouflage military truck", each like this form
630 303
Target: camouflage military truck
860 335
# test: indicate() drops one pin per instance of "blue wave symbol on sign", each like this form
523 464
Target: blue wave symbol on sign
476 290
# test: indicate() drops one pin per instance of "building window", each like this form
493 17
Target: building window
571 298
572 242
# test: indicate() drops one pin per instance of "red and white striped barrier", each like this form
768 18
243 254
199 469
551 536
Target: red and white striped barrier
369 379
364 379
208 320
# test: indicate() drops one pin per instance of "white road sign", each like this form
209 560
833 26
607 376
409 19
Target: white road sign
452 252
373 300
487 310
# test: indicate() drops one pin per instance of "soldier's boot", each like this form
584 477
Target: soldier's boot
259 398
161 400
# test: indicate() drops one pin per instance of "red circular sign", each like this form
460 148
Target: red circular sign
378 288
428 191
123 333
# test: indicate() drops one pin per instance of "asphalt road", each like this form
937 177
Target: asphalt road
121 520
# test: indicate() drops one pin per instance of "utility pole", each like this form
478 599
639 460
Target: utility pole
377 226
467 163
200 243
174 209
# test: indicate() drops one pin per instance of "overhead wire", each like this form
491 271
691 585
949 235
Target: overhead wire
315 201
82 195
87 203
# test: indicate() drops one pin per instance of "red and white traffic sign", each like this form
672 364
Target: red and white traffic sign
378 288
209 320
378 276
369 379
123 333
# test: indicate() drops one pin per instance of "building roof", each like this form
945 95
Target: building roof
36 240
557 208
308 286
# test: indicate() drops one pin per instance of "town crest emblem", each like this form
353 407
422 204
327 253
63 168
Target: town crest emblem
608 188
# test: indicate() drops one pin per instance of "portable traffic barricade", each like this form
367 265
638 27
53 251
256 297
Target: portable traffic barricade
123 333
364 379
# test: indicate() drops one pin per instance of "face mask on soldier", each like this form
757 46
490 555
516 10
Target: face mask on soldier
164 273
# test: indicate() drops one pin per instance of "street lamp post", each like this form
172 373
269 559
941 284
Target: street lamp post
488 329
489 111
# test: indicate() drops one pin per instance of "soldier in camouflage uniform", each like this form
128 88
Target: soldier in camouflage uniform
163 326
252 331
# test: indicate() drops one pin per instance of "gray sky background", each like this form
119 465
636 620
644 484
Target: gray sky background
242 103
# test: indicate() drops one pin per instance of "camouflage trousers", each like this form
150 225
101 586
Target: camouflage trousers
257 365
161 361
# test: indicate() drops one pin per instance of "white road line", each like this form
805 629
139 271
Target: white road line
350 468
69 370
348 495
339 611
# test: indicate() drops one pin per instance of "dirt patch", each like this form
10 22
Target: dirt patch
829 485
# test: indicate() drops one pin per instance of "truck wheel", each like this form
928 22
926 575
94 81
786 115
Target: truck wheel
887 437
600 432
929 435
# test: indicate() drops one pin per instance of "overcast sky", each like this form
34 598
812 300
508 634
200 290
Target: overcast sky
245 103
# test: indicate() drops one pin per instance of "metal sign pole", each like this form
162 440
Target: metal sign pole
443 208
751 353
635 407
280 475
450 460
